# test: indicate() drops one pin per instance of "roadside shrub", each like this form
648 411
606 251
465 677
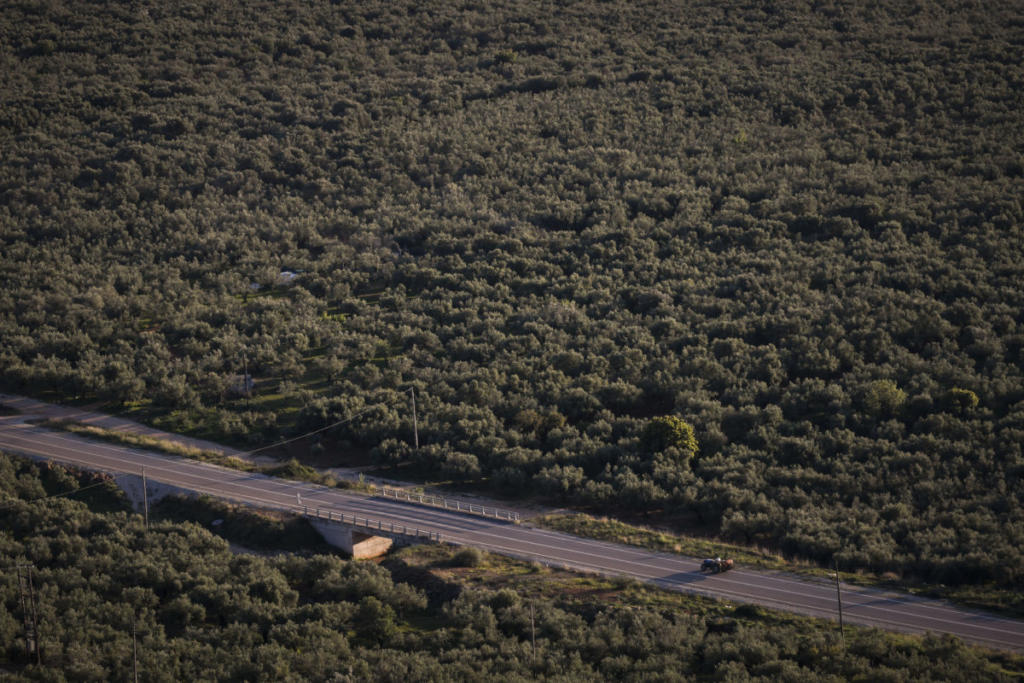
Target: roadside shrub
468 557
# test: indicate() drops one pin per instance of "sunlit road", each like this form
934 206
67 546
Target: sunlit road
889 610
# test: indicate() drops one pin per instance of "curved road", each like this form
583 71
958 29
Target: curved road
814 597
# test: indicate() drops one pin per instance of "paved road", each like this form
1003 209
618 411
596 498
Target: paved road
30 408
889 610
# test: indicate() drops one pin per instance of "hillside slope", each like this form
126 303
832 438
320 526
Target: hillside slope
796 229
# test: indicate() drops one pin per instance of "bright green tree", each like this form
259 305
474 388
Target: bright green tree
882 398
962 399
669 431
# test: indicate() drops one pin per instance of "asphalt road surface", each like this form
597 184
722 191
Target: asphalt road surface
815 597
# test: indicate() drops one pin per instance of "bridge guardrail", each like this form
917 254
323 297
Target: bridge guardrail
447 504
371 524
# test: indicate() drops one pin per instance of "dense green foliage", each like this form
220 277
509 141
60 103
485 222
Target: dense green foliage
795 226
203 613
253 530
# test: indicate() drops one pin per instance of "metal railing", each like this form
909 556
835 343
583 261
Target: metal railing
441 502
372 524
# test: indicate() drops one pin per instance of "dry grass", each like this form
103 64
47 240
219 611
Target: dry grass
290 470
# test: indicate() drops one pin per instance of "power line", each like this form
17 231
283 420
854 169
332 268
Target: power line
339 422
411 390
839 598
315 431
415 427
29 610
145 497
66 493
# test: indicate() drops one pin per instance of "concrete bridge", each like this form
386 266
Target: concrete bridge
360 537
489 530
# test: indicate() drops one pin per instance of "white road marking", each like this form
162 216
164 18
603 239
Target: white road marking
551 547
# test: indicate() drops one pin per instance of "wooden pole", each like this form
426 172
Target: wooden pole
28 611
415 427
135 653
533 635
145 496
33 603
245 375
839 598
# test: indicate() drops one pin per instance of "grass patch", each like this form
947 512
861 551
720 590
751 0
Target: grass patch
613 530
582 592
150 443
291 469
989 598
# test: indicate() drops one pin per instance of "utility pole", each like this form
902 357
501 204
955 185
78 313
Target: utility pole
415 427
245 376
839 598
533 635
145 496
29 610
135 653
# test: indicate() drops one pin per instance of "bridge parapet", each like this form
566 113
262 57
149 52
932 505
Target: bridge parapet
375 527
448 504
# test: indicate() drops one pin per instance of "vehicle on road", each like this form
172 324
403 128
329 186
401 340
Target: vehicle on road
716 565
